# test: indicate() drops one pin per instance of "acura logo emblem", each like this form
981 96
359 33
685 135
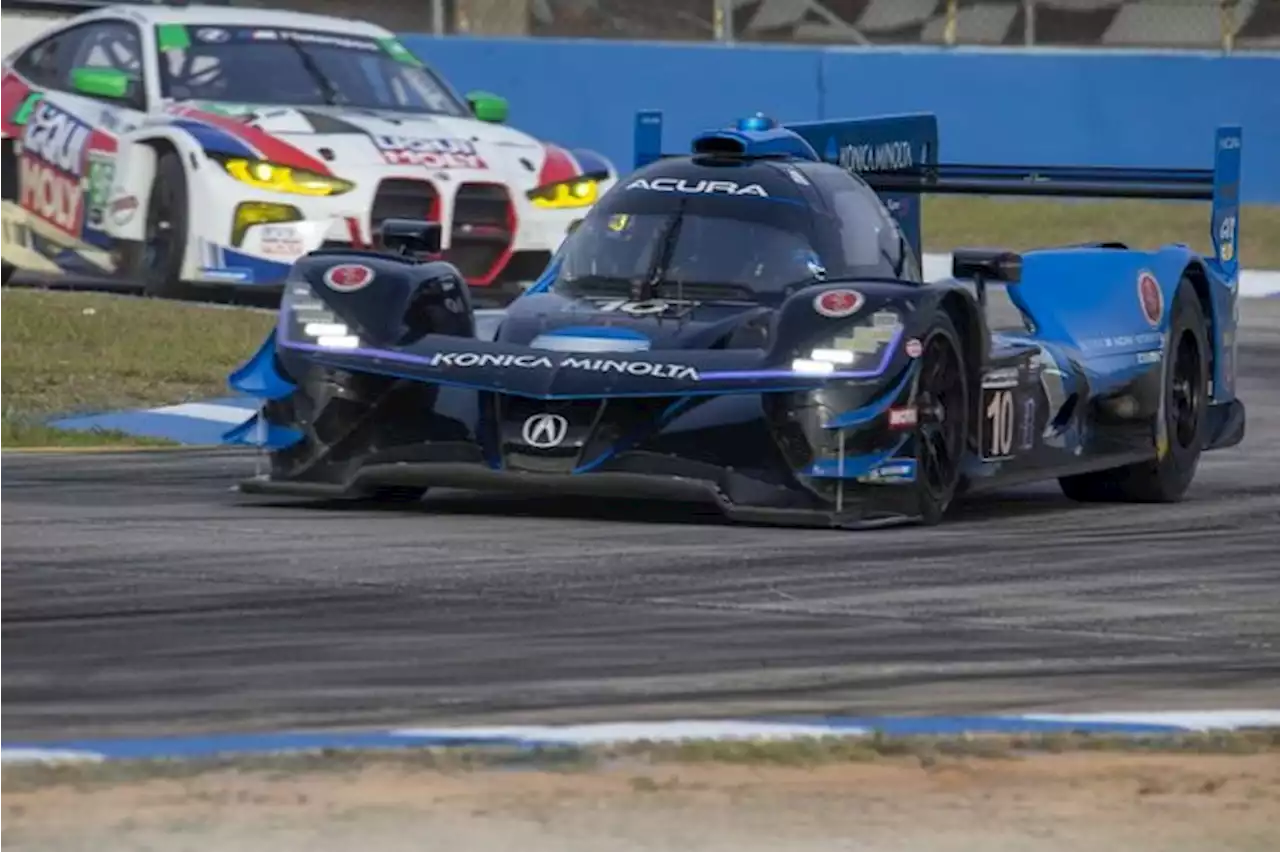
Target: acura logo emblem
545 431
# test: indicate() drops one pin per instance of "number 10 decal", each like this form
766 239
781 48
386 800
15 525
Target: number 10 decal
999 417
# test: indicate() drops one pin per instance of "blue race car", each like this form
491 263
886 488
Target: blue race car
747 324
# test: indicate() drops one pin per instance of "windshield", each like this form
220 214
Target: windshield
704 254
270 65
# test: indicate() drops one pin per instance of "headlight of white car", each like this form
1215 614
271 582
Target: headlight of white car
566 195
277 178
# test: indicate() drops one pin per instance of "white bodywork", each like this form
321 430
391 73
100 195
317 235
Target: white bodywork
73 146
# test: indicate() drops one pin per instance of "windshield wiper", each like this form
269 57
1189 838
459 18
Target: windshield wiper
330 92
662 258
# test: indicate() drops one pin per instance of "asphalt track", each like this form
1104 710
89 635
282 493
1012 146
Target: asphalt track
144 597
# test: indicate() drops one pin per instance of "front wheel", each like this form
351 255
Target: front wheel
156 262
942 399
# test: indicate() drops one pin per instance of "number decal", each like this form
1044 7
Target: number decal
999 417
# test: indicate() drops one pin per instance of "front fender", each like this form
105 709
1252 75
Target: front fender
135 173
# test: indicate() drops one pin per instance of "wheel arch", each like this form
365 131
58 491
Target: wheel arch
1198 277
975 342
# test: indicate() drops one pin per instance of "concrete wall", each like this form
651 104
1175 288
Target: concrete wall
1059 107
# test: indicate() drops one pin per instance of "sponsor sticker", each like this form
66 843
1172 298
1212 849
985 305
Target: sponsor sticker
506 361
1150 298
430 152
281 241
1027 436
898 470
838 303
914 348
212 35
698 187
904 417
123 209
348 277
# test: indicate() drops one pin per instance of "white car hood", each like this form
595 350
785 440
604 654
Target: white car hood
356 140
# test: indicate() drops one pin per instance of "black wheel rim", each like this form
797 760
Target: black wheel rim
940 396
1186 391
158 240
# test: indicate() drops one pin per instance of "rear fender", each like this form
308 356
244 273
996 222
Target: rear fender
1091 298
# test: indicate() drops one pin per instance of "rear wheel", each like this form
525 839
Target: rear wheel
942 398
1166 478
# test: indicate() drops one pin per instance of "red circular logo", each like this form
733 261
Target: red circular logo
348 277
1151 298
838 303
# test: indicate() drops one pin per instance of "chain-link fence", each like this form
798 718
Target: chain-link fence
1179 24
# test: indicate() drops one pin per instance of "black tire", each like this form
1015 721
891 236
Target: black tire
6 272
157 261
1166 478
943 399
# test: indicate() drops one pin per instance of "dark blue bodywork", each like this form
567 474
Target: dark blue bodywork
717 398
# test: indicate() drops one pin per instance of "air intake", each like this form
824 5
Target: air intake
755 138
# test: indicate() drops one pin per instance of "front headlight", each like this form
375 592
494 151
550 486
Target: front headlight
314 321
566 195
277 178
860 343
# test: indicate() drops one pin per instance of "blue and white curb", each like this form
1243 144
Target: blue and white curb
615 733
193 423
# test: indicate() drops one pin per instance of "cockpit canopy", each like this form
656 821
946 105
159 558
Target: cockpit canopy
754 231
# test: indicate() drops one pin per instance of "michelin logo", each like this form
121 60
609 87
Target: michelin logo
483 360
697 187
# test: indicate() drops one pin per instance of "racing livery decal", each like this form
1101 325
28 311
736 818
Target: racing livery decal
838 303
433 153
60 156
256 140
1151 298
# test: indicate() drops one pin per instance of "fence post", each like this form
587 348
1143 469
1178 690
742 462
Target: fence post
949 34
1029 22
722 18
1227 21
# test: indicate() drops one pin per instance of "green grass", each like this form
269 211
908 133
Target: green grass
67 353
950 222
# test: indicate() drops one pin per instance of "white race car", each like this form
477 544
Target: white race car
214 145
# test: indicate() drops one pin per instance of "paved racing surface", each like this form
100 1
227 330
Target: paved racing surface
144 597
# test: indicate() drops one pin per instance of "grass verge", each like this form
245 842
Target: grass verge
803 752
1019 224
66 353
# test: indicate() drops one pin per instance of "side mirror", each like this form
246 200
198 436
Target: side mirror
987 265
102 83
410 237
488 107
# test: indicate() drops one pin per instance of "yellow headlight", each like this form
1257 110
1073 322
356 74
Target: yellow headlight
252 213
581 192
278 178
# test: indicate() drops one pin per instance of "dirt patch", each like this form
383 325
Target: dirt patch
1079 801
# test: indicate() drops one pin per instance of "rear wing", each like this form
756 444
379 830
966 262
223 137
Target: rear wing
898 157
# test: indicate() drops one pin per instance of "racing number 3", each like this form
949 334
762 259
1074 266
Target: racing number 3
999 416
